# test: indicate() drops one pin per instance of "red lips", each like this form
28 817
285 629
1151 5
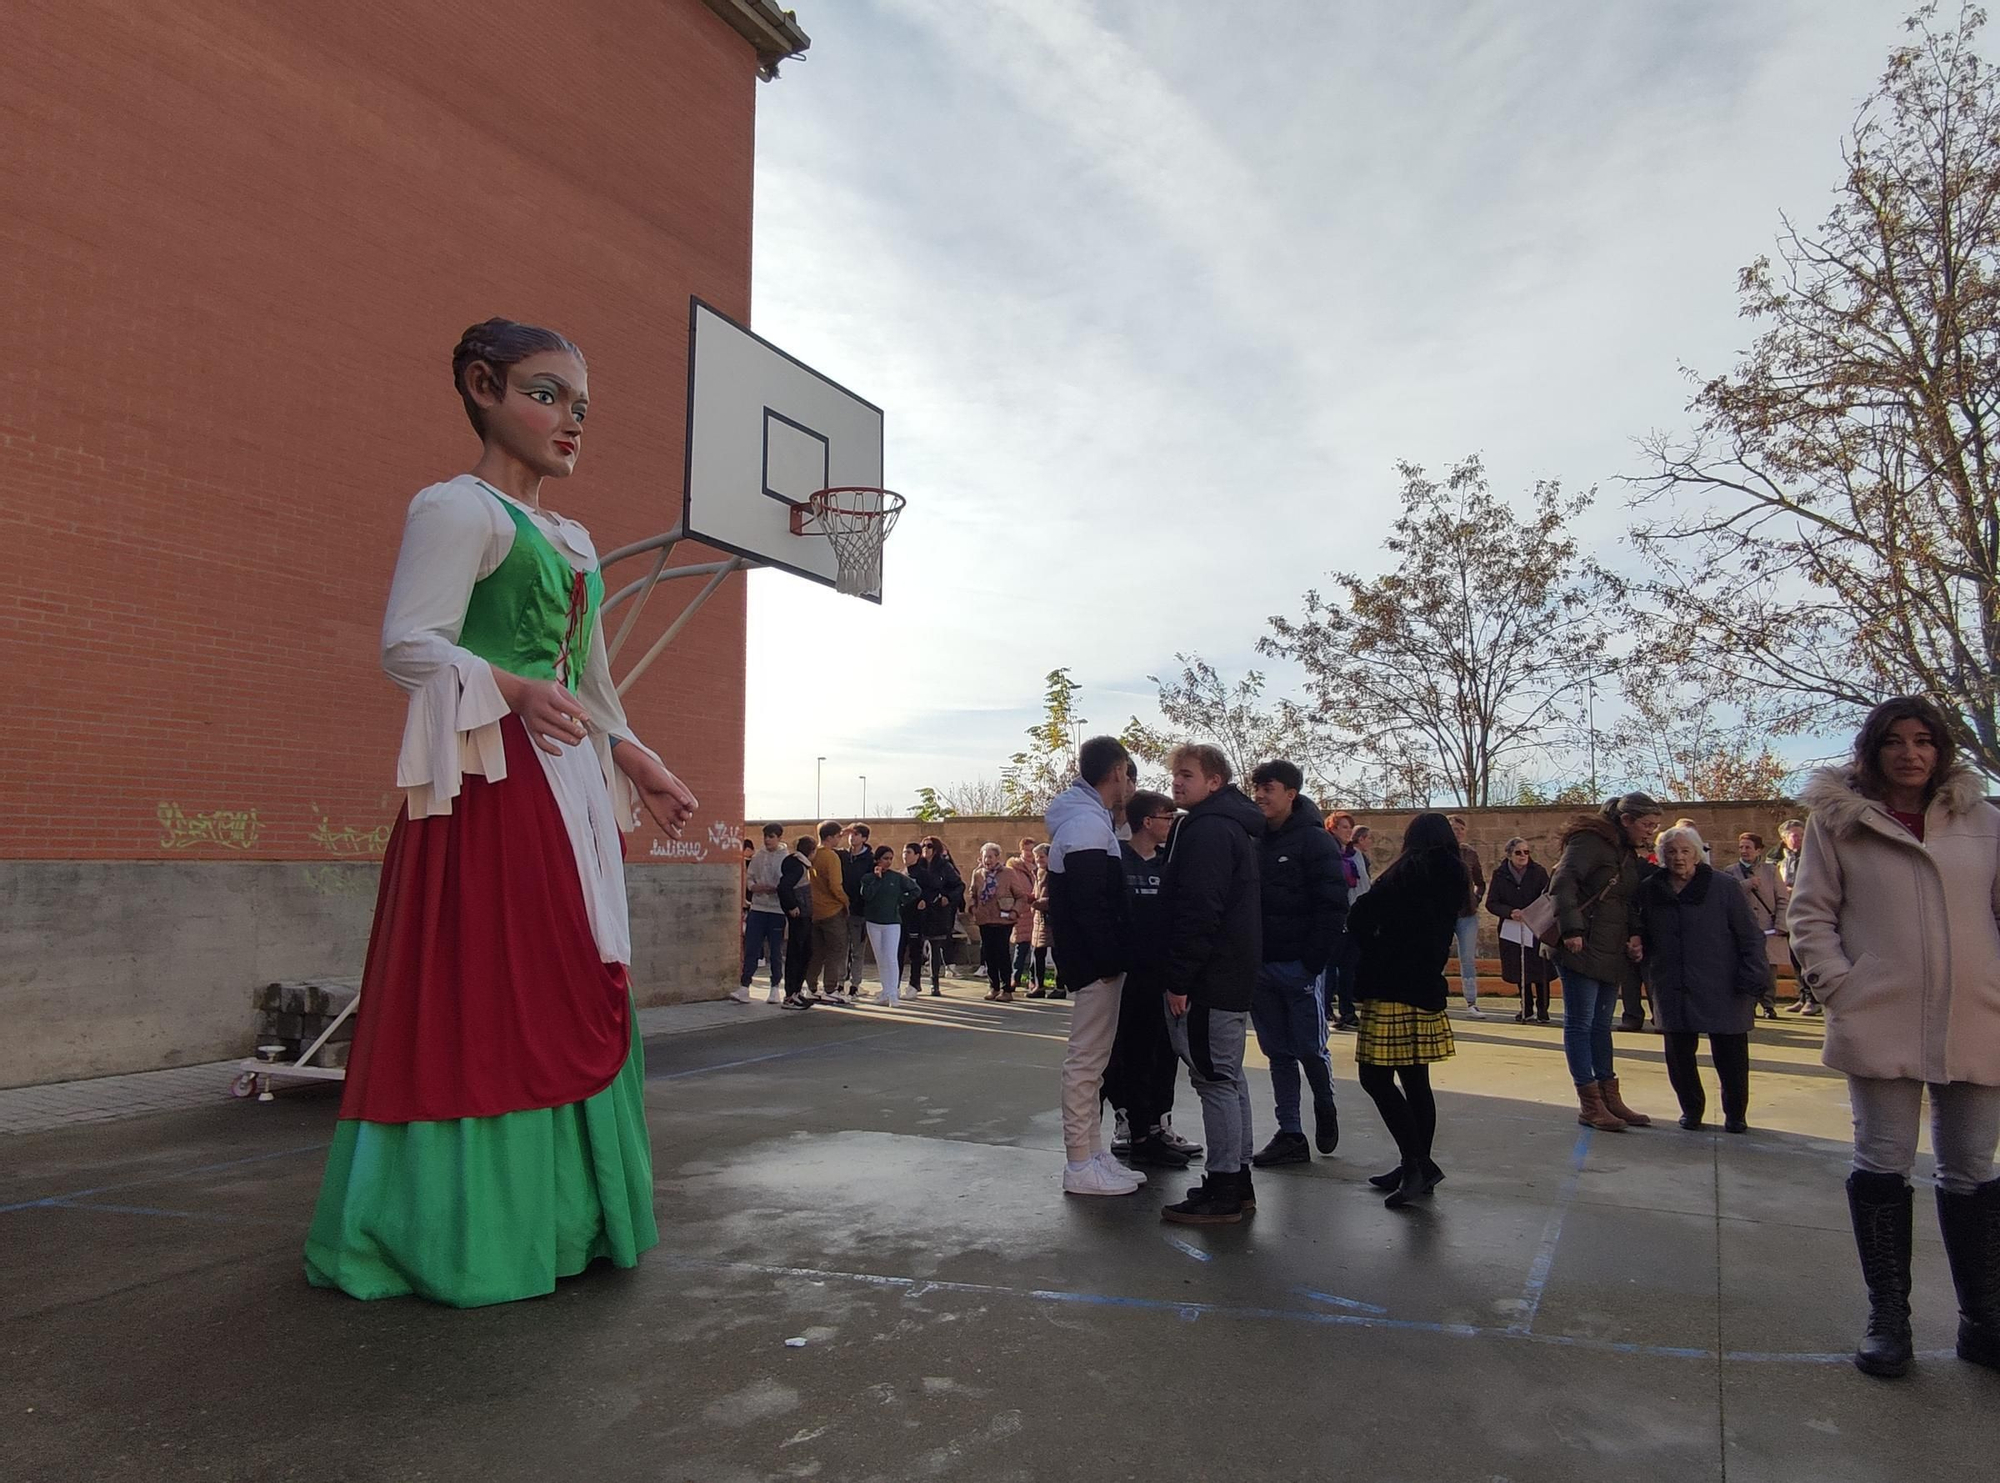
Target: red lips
564 447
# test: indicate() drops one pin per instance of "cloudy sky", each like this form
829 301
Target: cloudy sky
1155 294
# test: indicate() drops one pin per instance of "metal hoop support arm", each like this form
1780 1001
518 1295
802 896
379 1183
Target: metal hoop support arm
721 575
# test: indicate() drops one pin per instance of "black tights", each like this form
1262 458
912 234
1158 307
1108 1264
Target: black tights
1041 967
1410 1114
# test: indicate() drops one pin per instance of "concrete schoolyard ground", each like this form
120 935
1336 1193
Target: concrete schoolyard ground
867 1272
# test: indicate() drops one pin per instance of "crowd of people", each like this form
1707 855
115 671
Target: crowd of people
1180 927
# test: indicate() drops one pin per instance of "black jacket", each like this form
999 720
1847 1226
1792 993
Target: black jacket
1145 881
795 886
1304 891
1505 895
1704 953
1403 928
1214 909
855 867
1090 929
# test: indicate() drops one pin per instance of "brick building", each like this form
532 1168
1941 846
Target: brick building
238 242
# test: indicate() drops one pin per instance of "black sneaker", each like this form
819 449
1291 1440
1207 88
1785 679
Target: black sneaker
1284 1148
1246 1193
1154 1152
1326 1128
797 1001
1347 1026
1214 1203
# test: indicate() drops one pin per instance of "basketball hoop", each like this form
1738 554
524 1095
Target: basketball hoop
856 520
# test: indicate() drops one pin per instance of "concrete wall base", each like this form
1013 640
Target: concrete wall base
108 967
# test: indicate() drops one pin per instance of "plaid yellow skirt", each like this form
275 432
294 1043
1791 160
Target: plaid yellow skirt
1401 1035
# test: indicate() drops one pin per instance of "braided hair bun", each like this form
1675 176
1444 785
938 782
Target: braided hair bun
498 344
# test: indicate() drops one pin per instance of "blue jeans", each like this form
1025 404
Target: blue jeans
1589 1005
1288 1011
1468 959
763 939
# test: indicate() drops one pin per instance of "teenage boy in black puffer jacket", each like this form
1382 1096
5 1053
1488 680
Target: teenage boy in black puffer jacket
1214 949
1304 896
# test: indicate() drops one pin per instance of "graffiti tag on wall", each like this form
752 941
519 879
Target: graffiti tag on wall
722 838
349 841
226 829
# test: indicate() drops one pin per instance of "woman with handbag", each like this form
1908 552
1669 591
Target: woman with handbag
1594 889
1518 884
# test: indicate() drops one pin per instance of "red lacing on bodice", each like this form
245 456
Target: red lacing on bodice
579 605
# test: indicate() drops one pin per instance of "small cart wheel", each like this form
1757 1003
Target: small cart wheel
244 1085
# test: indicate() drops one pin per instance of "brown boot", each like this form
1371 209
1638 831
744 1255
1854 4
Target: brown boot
1615 1104
1592 1112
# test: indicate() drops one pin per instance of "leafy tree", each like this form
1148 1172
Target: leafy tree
1033 776
1198 705
1829 533
1464 657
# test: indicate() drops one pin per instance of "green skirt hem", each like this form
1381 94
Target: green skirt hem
482 1210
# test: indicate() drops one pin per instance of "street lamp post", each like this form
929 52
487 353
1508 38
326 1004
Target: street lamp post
819 763
864 794
1590 721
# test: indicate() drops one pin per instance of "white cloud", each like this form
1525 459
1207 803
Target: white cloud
1153 296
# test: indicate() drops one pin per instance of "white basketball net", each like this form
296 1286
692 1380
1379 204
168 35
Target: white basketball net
855 522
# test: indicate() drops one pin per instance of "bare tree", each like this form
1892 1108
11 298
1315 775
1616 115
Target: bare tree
1470 653
982 796
1829 533
1198 705
1685 739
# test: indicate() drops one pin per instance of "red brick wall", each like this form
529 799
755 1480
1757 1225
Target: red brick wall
237 243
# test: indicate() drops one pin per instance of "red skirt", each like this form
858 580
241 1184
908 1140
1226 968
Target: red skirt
483 991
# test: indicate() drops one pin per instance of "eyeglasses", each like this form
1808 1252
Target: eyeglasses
1522 853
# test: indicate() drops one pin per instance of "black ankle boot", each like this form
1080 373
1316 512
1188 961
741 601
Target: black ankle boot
1971 1226
1414 1184
1879 1207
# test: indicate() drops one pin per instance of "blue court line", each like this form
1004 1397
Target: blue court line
1189 1248
105 1189
1191 1311
1339 1302
776 1055
1545 1255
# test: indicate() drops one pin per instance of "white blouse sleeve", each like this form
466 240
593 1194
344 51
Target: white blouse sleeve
607 720
451 539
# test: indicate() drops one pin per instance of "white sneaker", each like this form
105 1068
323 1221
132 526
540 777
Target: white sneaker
740 995
1473 1012
777 997
885 997
1094 1179
1174 1140
1121 1131
1106 1162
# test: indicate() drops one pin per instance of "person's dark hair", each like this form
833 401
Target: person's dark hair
1753 837
936 845
804 844
915 844
1277 770
860 829
1632 806
1099 757
499 343
1145 803
749 846
885 852
1874 732
1361 832
1430 864
829 829
771 831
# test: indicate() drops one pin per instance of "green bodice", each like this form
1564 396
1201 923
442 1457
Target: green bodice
534 613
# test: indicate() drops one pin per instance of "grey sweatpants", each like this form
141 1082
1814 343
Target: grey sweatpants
1211 1041
1965 1127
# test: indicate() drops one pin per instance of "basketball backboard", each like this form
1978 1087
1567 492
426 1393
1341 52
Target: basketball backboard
764 431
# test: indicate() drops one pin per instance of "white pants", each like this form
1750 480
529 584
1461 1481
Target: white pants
885 940
1093 1027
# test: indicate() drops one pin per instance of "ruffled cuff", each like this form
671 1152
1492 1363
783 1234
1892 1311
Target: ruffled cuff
453 728
625 804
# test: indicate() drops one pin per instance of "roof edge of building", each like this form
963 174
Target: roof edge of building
775 33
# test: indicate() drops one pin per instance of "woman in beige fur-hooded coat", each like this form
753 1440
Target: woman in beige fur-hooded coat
1895 918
